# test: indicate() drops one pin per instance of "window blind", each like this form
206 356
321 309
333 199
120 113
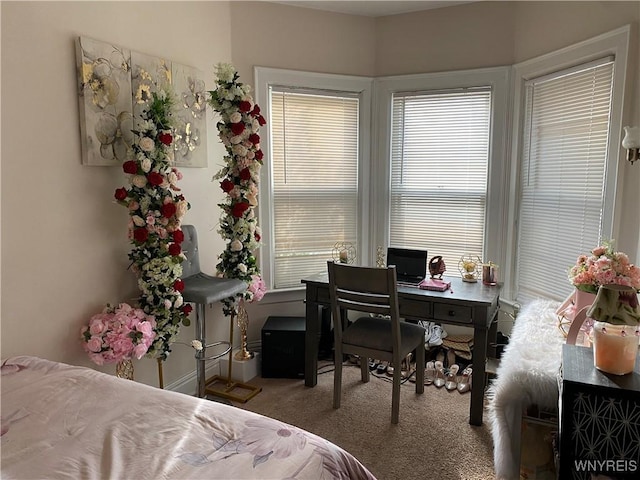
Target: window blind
562 178
439 163
314 139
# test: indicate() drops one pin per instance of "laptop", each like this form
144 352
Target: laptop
411 265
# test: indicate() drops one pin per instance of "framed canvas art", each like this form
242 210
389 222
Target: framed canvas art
115 86
104 74
190 142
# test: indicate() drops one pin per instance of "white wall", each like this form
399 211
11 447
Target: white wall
64 245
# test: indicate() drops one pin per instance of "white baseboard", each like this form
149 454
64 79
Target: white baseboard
187 383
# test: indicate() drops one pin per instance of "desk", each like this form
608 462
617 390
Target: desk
470 305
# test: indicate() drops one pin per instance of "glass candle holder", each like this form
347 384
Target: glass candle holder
615 347
490 274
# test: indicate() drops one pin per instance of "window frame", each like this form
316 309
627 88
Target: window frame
614 43
498 78
265 78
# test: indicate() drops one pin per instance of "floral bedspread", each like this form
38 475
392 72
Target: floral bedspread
62 421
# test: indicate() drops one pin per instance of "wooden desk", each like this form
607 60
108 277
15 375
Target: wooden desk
470 305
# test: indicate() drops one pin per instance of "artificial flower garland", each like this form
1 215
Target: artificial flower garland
240 121
155 216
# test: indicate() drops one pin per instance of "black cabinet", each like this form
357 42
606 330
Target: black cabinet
599 419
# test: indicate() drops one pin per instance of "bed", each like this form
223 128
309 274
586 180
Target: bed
63 421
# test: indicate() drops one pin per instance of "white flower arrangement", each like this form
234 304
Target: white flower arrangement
155 217
240 121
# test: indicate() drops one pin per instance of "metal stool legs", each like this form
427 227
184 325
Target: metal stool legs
201 356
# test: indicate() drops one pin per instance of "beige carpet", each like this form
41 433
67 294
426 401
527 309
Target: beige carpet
432 441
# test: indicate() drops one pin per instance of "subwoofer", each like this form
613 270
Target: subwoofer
283 347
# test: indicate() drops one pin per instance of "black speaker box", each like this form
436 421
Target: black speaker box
283 347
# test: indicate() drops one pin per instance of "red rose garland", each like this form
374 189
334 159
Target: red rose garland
155 216
238 131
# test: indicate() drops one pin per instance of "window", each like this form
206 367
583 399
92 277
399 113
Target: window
440 176
563 171
568 116
439 166
314 187
314 155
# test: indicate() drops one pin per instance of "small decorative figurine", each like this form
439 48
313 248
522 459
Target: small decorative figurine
344 252
470 268
437 266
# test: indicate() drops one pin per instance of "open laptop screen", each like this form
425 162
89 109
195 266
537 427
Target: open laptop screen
411 265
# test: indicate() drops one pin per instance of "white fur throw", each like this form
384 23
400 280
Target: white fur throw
527 375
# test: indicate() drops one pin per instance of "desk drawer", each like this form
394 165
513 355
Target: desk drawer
455 313
418 309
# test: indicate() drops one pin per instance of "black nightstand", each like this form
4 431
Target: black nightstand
599 419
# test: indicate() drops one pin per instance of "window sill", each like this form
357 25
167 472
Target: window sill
284 295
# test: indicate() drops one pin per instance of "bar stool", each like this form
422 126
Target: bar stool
203 289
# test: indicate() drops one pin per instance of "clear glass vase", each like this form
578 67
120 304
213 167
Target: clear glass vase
615 347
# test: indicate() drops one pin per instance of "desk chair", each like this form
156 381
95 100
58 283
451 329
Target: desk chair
373 291
203 289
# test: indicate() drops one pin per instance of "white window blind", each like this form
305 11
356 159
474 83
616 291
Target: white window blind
562 179
314 142
439 163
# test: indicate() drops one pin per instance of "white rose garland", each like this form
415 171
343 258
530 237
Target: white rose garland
238 132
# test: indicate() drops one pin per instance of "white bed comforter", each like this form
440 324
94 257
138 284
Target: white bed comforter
61 421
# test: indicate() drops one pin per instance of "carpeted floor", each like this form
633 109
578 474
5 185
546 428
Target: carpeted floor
432 441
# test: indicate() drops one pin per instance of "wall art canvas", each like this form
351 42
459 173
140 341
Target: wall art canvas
116 85
148 75
104 74
190 134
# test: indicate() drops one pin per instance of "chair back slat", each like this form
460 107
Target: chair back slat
364 307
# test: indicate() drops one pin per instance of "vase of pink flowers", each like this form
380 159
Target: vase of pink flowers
604 266
118 334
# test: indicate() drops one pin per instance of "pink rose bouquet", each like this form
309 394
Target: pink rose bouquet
603 267
118 334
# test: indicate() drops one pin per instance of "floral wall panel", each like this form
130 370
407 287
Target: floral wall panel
148 74
105 101
190 136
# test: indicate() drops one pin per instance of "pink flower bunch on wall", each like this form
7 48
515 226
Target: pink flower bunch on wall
604 267
117 334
